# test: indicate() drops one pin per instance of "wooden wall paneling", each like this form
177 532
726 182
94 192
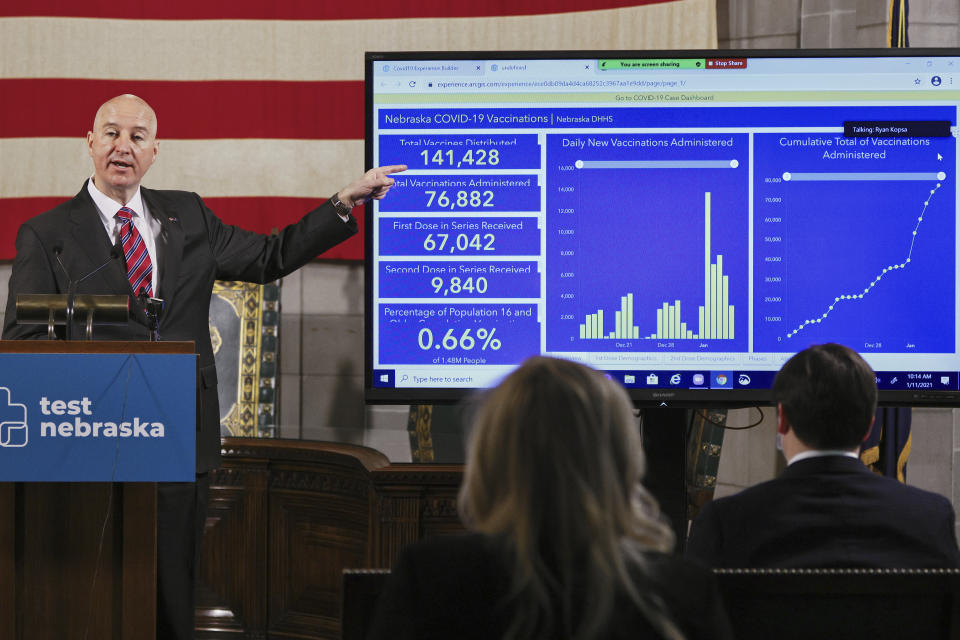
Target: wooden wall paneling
287 517
318 525
232 584
56 580
60 555
139 561
439 515
398 524
414 501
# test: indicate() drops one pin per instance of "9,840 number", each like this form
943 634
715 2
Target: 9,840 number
456 285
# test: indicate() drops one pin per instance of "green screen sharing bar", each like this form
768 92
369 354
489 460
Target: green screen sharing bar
651 63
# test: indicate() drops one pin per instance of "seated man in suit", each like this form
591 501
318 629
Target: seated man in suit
826 509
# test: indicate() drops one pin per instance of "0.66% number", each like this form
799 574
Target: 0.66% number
465 341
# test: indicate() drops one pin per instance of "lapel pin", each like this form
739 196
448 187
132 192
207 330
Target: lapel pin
172 219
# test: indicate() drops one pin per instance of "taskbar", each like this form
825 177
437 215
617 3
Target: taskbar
743 379
666 379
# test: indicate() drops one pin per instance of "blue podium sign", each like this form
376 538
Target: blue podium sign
97 417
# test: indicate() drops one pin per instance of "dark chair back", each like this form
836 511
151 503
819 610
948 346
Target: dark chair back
786 604
361 588
872 604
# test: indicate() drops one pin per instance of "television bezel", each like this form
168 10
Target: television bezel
644 398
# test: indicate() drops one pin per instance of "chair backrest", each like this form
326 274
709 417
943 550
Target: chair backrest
842 603
361 588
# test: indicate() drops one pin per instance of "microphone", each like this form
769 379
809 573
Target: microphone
115 252
152 307
68 326
57 250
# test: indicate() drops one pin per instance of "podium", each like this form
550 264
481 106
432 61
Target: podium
78 555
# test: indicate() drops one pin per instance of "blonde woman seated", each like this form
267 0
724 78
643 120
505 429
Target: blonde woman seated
565 541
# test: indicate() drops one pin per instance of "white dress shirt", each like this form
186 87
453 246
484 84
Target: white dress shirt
815 453
148 226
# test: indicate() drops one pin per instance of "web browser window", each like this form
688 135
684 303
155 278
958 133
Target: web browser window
685 222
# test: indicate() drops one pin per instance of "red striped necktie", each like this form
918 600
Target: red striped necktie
139 267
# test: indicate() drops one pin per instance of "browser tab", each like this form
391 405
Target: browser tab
436 68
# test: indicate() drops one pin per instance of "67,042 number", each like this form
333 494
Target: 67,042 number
461 242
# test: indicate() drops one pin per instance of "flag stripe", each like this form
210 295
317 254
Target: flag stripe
14 211
321 50
304 9
257 167
223 109
256 214
260 106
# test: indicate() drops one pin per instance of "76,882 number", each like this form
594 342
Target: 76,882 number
460 200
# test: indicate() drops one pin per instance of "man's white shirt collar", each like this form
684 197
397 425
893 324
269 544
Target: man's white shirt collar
147 225
108 207
820 453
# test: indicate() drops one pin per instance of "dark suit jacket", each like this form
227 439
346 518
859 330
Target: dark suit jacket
452 587
827 512
195 248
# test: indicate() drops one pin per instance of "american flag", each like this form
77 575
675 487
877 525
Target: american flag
260 104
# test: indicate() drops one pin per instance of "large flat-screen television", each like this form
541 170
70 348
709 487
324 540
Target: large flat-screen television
684 221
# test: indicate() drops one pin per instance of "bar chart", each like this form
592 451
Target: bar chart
715 317
670 215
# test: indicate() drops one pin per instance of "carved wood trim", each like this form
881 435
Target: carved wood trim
287 517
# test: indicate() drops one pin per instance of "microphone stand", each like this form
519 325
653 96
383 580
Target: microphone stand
152 307
68 329
115 252
68 325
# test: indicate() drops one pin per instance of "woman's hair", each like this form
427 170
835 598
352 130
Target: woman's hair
554 468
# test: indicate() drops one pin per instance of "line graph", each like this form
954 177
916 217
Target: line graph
857 249
893 267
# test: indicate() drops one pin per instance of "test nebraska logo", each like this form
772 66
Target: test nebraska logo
13 421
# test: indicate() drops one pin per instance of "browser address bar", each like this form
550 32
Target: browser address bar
745 82
561 84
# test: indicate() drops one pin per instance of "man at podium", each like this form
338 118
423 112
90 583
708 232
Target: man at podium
116 237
